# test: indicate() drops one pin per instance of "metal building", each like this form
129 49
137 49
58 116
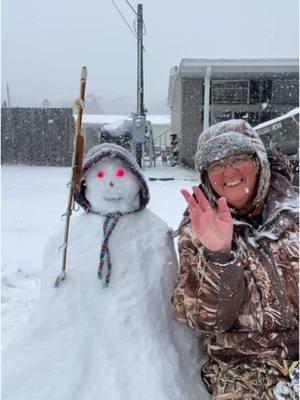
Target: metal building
205 91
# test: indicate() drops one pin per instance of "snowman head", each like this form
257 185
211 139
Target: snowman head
111 187
111 181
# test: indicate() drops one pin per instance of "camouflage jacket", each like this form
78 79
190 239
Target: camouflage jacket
245 303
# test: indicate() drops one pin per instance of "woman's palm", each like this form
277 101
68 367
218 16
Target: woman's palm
213 228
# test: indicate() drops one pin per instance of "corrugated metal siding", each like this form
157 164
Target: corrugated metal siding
37 136
191 126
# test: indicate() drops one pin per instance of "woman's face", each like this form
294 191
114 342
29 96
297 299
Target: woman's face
235 179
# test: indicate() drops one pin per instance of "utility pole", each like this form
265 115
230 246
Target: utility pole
140 70
140 112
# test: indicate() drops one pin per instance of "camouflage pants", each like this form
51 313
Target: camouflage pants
252 381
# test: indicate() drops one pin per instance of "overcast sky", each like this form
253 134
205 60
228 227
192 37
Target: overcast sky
45 43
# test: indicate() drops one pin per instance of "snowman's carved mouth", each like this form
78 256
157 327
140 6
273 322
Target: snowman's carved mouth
112 198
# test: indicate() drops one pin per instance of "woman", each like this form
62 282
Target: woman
238 252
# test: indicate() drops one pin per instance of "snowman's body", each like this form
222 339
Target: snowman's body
86 342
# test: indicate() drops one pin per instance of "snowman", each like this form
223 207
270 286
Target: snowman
108 331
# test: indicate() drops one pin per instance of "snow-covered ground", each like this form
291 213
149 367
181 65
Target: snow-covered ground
33 199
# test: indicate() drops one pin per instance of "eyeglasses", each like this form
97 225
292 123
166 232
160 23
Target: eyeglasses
234 162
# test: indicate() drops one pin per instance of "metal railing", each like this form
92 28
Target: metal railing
159 139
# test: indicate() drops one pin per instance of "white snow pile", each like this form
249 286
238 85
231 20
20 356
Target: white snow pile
83 341
117 128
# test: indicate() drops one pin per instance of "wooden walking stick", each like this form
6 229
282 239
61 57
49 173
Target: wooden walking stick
76 172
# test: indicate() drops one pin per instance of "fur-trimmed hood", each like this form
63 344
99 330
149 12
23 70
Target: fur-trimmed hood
96 154
231 138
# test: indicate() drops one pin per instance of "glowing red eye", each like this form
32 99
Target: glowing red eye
120 172
100 174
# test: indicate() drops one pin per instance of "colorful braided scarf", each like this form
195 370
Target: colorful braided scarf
108 227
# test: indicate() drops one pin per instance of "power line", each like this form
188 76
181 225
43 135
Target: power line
124 19
131 7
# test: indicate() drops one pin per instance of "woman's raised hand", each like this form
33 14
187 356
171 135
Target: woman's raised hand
214 228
